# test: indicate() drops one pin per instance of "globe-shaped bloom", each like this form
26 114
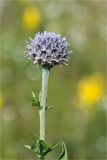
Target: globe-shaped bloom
48 49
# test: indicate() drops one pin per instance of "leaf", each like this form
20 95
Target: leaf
27 146
33 95
49 107
63 155
53 146
35 101
48 148
43 147
33 136
40 147
35 148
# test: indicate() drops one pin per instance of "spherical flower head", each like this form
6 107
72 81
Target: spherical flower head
48 49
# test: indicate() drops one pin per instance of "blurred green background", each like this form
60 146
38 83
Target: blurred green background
76 91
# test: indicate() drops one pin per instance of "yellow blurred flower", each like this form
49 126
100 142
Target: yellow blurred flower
31 18
90 90
1 102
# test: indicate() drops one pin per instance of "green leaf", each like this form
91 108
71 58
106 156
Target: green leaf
27 146
35 101
40 147
53 146
33 136
49 107
46 148
43 147
33 95
63 155
30 147
35 147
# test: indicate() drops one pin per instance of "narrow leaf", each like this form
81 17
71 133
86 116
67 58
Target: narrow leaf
35 101
33 136
43 146
33 95
63 155
27 146
53 146
50 107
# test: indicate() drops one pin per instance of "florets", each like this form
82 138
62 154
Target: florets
48 49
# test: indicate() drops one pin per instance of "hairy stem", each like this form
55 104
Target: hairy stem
42 112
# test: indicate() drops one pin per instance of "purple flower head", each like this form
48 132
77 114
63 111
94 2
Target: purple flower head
48 49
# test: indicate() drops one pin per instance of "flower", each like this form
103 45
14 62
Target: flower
31 18
48 49
90 90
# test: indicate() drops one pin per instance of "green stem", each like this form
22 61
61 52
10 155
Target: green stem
41 158
42 112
